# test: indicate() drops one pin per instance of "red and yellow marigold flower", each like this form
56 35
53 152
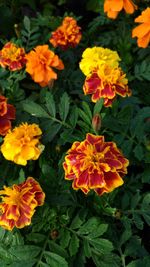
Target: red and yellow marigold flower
66 35
142 32
22 144
113 7
7 113
19 202
40 64
12 56
106 83
95 164
93 58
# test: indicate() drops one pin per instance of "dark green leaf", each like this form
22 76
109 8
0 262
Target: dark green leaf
74 245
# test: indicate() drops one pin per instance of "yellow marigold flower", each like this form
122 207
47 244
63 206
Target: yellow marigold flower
22 144
95 164
40 64
93 58
19 203
113 7
142 32
12 56
107 83
66 35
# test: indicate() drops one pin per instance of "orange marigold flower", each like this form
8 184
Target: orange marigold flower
7 113
113 7
67 35
40 64
106 83
12 56
95 164
19 203
22 144
142 32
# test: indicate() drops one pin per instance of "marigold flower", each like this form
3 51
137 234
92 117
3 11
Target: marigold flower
22 144
113 7
93 58
19 203
12 56
40 64
142 32
95 164
67 35
106 82
7 113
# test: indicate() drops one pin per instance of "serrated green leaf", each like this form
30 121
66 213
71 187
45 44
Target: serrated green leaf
86 109
87 248
73 245
135 200
84 117
54 247
24 252
65 238
139 152
36 237
55 260
138 221
89 226
50 132
98 106
26 23
64 106
50 104
76 223
102 245
34 109
73 116
101 229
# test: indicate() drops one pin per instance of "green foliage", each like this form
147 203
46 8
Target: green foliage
73 229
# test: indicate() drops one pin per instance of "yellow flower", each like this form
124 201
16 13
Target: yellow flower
22 144
93 58
19 203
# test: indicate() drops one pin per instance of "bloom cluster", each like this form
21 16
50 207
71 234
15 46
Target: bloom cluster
95 164
7 113
105 79
19 203
92 164
66 35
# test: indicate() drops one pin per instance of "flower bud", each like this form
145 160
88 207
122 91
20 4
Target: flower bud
96 122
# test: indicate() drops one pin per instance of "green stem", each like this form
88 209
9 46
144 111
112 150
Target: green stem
60 122
122 257
42 252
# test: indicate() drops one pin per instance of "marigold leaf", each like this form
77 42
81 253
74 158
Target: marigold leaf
98 106
35 109
26 23
64 106
50 104
102 245
55 260
74 245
